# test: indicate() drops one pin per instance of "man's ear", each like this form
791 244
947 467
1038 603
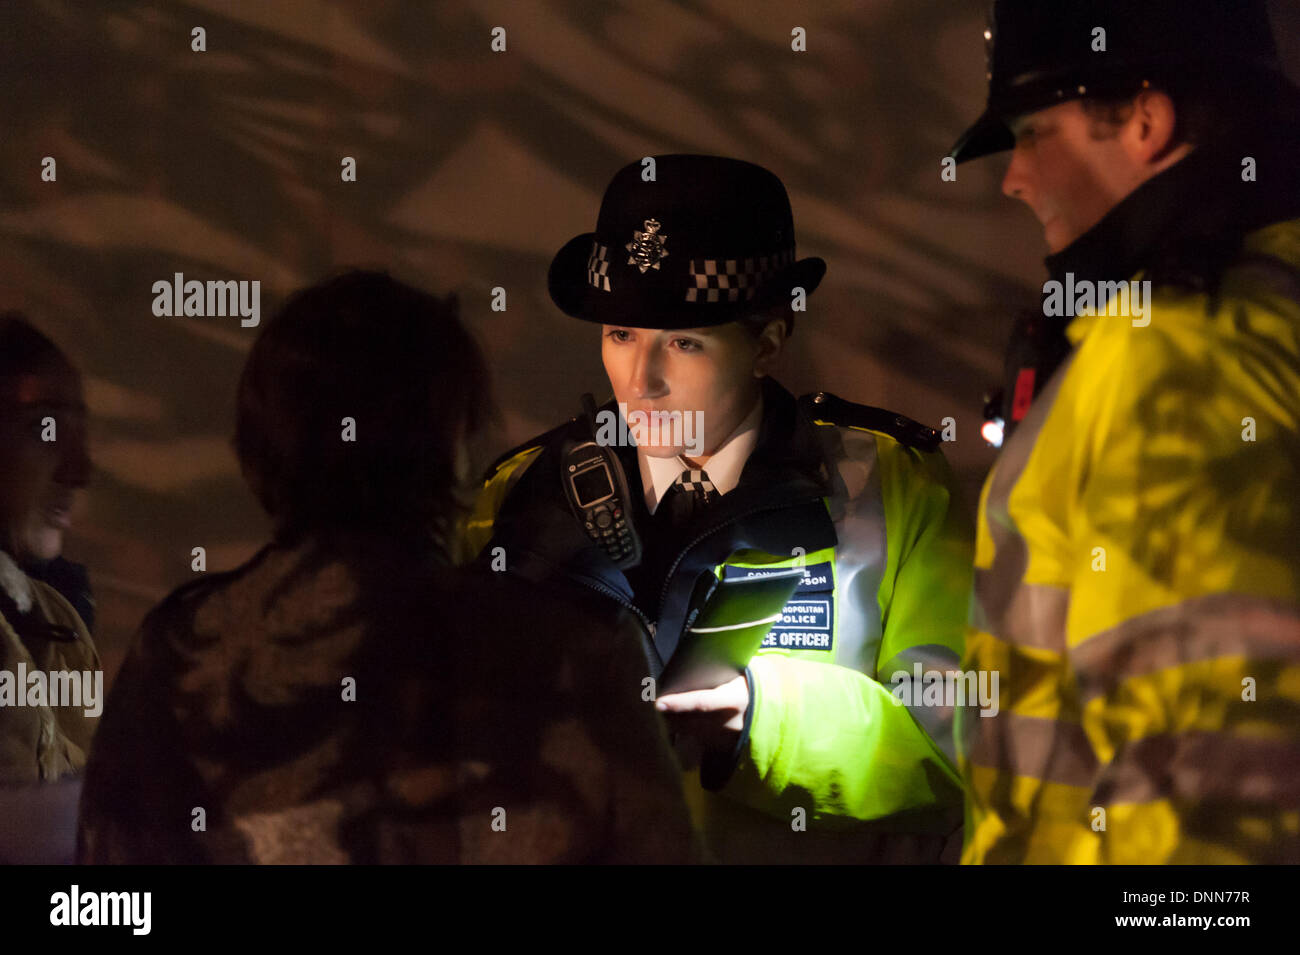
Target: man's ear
1148 135
771 341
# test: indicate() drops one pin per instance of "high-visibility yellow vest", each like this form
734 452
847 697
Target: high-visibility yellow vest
1138 588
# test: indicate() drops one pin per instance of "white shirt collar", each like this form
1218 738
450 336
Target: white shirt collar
723 468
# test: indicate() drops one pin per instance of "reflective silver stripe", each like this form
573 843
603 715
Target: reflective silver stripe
999 607
937 721
857 509
737 626
1205 768
1051 750
1034 615
1202 628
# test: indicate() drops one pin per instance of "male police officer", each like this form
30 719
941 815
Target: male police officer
807 756
1138 547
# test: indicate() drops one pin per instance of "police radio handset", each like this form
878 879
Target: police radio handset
596 488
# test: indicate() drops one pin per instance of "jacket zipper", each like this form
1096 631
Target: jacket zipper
600 588
649 625
663 594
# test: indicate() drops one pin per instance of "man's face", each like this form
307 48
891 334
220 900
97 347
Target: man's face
39 478
714 371
1067 176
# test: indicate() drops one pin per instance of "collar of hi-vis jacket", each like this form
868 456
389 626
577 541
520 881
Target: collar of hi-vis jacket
778 505
1183 225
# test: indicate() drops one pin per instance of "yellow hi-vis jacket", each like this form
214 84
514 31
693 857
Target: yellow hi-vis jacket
1137 586
844 761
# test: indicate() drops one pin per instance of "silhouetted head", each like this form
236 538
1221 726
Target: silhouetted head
355 406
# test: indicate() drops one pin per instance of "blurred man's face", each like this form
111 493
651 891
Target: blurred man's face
1071 168
1068 172
714 370
39 479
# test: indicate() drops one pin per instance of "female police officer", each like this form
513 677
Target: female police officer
808 756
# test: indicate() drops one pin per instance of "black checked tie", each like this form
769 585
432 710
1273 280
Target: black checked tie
690 493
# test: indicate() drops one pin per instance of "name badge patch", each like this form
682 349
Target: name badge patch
808 620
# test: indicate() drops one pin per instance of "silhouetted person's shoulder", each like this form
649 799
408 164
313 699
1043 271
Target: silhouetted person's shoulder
353 698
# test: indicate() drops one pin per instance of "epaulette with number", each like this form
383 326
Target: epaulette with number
824 406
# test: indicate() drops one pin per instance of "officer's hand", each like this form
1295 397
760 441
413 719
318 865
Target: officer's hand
706 720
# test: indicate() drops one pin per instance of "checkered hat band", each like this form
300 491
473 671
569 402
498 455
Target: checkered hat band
733 280
598 267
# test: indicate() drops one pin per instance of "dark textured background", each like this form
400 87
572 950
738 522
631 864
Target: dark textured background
474 167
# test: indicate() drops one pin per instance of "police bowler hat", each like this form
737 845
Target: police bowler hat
1043 53
708 241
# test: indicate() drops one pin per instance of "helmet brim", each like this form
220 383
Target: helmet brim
987 136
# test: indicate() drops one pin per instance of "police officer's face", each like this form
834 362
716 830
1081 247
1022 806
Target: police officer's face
1071 169
39 478
715 371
